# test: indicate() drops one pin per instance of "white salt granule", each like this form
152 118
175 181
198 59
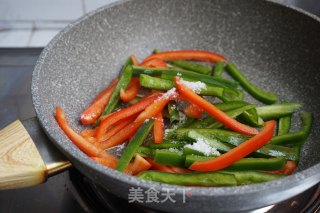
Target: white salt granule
175 150
194 86
202 146
170 93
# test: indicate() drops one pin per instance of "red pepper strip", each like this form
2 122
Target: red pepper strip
159 167
154 63
117 127
193 111
88 132
128 131
238 152
77 139
92 113
131 91
134 60
91 139
288 169
179 170
197 55
158 128
114 117
138 165
110 162
219 115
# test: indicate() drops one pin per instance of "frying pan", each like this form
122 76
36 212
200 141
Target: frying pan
276 47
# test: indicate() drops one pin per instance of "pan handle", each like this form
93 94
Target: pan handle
21 164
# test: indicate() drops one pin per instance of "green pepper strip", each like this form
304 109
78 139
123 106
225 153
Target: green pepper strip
218 69
195 67
145 151
250 177
169 157
134 144
212 141
296 137
167 144
251 118
284 125
163 84
170 73
192 179
277 110
125 77
268 150
256 92
266 164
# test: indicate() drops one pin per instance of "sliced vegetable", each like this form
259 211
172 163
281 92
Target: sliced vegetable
197 55
284 125
238 152
159 167
193 111
235 139
258 93
169 157
250 177
169 73
134 144
267 164
212 141
277 110
166 144
110 162
134 60
163 84
138 165
210 122
218 69
226 120
296 137
93 112
111 119
288 169
188 65
154 63
158 128
131 91
124 80
145 151
88 148
148 113
192 179
117 127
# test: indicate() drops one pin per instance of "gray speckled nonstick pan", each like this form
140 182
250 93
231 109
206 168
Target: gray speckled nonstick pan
277 47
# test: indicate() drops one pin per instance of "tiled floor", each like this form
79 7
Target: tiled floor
33 23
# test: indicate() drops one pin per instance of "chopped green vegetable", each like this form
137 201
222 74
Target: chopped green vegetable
134 144
256 92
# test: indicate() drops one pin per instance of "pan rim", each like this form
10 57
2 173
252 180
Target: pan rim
310 175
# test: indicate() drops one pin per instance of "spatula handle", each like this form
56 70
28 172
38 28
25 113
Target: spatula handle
20 162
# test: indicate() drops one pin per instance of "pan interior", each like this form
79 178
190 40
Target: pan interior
276 48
